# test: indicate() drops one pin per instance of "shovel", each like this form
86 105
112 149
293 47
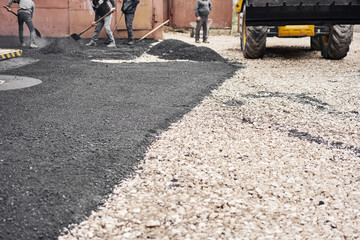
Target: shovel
36 31
77 37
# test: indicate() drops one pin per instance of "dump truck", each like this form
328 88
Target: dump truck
328 23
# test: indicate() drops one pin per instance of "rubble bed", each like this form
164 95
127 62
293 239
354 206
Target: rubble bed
254 160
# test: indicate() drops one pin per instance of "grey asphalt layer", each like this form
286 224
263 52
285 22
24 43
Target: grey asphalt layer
65 143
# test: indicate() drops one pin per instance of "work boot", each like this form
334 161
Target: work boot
111 45
131 42
206 41
23 44
91 43
107 41
197 41
33 45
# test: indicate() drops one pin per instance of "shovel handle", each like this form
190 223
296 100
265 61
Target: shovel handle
154 29
96 22
118 23
9 10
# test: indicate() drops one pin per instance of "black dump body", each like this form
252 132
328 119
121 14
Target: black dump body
301 12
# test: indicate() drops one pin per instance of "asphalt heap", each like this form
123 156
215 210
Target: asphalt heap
170 49
173 49
61 46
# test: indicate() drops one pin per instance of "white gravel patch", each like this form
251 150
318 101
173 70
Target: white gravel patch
274 153
143 58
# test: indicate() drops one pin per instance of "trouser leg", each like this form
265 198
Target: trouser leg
204 21
129 18
107 26
21 28
29 23
97 30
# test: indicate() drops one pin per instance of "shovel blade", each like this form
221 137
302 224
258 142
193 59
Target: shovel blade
38 33
75 36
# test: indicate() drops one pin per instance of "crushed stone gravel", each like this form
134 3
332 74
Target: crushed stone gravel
273 153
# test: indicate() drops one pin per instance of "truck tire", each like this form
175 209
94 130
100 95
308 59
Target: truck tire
253 39
336 45
315 43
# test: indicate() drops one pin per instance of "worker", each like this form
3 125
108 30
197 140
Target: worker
129 8
202 11
25 14
101 8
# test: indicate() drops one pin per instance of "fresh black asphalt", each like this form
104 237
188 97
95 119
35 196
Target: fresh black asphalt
64 144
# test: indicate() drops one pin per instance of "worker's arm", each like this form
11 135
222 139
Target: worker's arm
9 4
197 8
113 6
135 3
113 3
32 10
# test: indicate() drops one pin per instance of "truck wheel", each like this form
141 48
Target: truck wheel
336 45
253 39
315 43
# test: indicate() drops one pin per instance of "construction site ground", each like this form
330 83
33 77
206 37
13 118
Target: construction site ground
143 147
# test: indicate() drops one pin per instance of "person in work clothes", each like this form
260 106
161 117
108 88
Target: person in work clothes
101 8
202 11
25 15
129 8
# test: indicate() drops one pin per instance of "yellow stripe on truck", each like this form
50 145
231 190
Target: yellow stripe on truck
296 31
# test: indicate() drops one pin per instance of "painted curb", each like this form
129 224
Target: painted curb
9 53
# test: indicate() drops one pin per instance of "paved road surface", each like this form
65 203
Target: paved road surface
65 143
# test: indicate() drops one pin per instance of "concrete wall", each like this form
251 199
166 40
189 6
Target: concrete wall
61 18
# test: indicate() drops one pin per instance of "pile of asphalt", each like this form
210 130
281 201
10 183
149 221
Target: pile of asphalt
62 45
172 49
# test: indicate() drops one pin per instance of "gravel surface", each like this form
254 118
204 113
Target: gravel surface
65 143
273 153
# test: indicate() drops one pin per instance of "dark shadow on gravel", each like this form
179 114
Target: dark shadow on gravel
67 142
291 53
301 98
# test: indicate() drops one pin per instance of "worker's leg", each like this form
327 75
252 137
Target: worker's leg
21 29
204 20
197 31
29 23
97 31
107 26
129 18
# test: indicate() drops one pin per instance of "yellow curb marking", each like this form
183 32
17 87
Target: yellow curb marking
16 53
